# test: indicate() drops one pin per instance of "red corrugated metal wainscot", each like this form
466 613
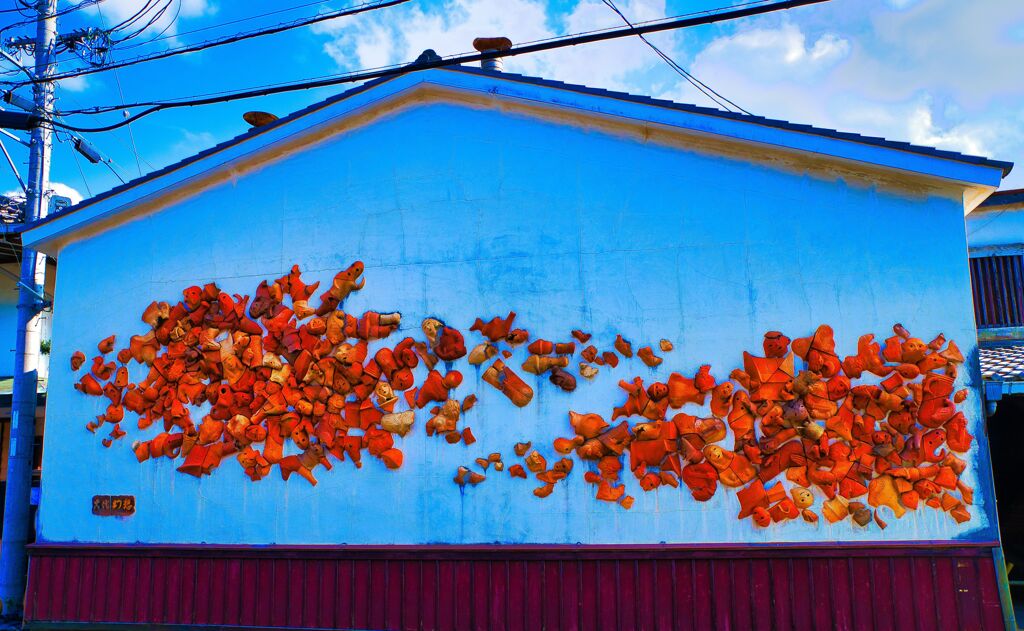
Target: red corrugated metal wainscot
515 587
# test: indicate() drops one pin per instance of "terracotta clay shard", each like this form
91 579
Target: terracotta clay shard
835 509
467 436
450 344
648 357
88 385
106 344
564 445
775 344
761 517
882 491
623 346
536 462
682 390
563 379
665 346
541 347
818 351
508 383
517 471
398 423
520 449
481 353
516 337
496 329
952 353
608 493
344 283
77 359
545 490
580 336
538 364
610 358
734 469
701 479
587 425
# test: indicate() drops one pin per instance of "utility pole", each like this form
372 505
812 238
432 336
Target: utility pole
17 521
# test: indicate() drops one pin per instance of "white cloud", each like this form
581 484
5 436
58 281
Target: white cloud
772 54
937 73
57 188
74 84
932 72
401 34
64 190
192 143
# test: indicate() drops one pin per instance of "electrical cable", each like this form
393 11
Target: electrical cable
32 20
694 81
551 44
120 92
223 24
116 137
354 10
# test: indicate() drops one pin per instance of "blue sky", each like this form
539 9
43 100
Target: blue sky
944 73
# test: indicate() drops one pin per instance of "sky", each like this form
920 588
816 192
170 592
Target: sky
944 73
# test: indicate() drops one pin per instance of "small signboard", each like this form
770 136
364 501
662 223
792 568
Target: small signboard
113 505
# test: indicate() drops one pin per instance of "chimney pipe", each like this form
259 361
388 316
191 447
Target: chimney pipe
491 44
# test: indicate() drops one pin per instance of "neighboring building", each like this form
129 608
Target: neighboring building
995 235
467 195
10 257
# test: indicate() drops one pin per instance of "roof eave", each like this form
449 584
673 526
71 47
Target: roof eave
977 176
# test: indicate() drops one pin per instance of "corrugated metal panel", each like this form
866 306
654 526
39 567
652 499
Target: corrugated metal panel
998 286
516 588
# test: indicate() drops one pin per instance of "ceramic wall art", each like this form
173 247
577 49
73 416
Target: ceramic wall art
812 434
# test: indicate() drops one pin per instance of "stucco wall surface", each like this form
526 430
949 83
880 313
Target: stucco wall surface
459 213
1002 226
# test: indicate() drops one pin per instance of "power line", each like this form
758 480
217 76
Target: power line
248 18
704 88
438 62
81 5
354 10
120 92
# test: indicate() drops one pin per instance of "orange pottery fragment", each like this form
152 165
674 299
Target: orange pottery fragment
496 329
77 359
623 346
508 383
608 493
646 354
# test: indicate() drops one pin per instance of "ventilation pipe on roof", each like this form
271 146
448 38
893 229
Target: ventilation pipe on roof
490 45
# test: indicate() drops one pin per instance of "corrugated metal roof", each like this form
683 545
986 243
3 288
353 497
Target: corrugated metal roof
685 107
1002 363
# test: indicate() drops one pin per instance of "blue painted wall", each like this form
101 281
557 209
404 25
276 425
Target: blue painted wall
463 213
998 226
